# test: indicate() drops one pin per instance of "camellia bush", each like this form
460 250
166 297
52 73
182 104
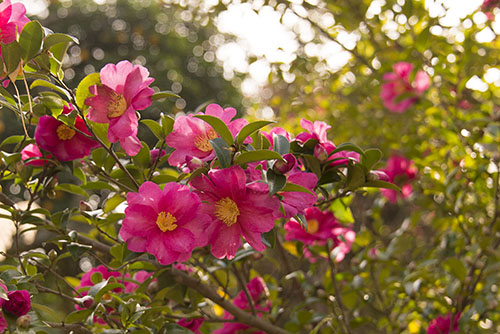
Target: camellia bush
224 225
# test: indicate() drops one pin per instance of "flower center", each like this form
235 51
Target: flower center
227 211
400 87
312 226
117 105
166 222
202 141
64 132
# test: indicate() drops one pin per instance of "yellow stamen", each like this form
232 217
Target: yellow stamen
227 211
202 141
117 105
312 226
166 222
64 132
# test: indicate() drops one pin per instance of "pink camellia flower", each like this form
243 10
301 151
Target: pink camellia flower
278 131
191 136
398 83
321 227
193 324
167 223
324 147
259 294
123 90
12 20
62 141
3 323
400 171
32 152
19 303
236 209
443 325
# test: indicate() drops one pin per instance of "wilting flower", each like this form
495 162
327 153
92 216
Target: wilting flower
324 147
33 153
193 324
259 294
443 325
19 303
123 90
236 209
191 136
63 142
321 227
398 83
167 223
400 171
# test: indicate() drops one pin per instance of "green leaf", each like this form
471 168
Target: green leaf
221 151
172 328
250 128
371 157
97 185
280 144
167 123
219 126
77 250
30 40
72 189
163 95
269 238
82 91
347 147
44 83
47 310
301 219
295 187
11 54
276 182
456 268
57 38
258 155
381 184
78 316
106 288
341 211
355 177
142 158
155 128
112 203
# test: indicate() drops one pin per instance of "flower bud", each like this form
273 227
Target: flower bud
283 166
19 303
84 206
320 153
52 255
377 175
23 322
73 235
193 163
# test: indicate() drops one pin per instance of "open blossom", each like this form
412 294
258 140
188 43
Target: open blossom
398 83
400 171
235 209
191 136
124 89
318 131
63 142
167 223
33 153
12 20
443 325
321 227
259 294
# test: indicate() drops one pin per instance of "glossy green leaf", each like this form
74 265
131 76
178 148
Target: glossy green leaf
280 144
249 129
276 182
355 177
347 147
455 267
72 189
371 157
11 54
44 83
57 38
155 128
258 155
163 95
167 123
30 40
221 151
297 188
78 316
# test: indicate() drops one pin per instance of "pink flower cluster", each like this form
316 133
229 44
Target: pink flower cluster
258 292
399 171
443 325
398 83
130 283
321 227
18 303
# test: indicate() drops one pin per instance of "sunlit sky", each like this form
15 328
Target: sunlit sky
262 35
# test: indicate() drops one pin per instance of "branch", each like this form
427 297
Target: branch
238 313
